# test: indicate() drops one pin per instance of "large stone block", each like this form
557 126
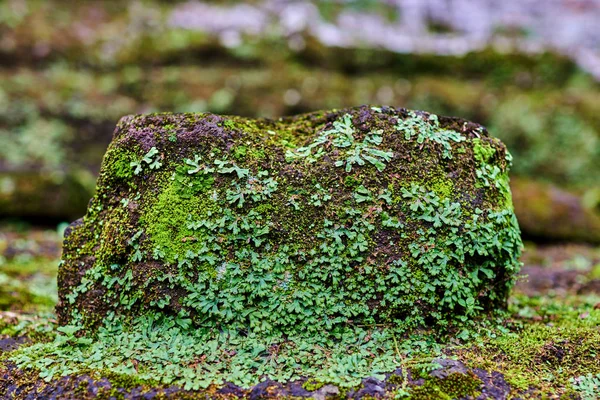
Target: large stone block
358 216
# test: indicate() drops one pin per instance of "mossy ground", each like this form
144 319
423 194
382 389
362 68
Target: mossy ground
550 338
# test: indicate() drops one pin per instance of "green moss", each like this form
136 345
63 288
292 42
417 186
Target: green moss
352 181
229 124
178 227
120 163
257 155
122 381
115 235
188 186
265 208
311 385
395 379
483 151
239 152
454 386
438 183
539 352
167 219
554 341
443 188
489 173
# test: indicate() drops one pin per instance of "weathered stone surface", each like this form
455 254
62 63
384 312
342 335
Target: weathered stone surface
364 215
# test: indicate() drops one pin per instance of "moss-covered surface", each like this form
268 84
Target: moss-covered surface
311 246
532 356
547 351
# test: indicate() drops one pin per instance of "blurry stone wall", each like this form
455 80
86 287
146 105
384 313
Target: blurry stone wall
526 69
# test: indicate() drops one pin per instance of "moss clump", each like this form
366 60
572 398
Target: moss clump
454 386
167 222
311 385
327 229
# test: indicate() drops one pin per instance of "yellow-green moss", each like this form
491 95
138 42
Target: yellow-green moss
166 219
454 386
553 341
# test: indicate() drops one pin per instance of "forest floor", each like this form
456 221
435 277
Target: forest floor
549 347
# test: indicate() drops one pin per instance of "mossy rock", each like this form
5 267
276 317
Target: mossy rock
371 215
339 228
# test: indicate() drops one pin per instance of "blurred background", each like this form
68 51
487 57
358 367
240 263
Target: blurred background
528 70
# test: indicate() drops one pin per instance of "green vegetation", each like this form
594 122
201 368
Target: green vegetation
549 346
430 130
290 224
151 158
546 345
342 136
551 342
454 386
588 386
254 265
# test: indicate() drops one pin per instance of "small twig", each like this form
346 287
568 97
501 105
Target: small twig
403 366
